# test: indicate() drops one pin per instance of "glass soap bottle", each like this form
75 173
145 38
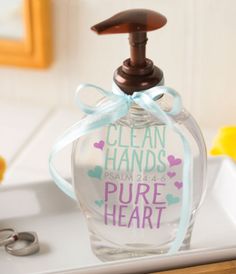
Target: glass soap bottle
127 176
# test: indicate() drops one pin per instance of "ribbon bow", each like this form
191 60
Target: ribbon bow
115 107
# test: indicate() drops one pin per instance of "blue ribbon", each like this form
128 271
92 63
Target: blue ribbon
117 106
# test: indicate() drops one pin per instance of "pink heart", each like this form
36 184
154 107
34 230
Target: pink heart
99 145
171 174
174 161
179 185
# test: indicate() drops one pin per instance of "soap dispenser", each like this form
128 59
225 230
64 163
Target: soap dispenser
139 158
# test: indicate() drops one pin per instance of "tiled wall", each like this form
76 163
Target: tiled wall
196 50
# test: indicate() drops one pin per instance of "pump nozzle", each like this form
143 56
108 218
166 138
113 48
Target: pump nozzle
138 72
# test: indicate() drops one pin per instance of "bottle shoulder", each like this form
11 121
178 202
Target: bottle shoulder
139 118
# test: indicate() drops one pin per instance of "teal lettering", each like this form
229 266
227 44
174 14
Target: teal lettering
110 157
108 141
147 138
132 137
162 166
158 136
150 161
137 159
124 160
120 137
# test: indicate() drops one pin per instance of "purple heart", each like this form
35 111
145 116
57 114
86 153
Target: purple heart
179 185
174 161
171 174
99 145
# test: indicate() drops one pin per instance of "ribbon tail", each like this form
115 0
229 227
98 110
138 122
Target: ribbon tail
147 103
83 127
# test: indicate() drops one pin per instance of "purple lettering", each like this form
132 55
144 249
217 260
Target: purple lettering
112 215
122 194
121 215
156 193
147 214
109 188
142 193
159 215
134 216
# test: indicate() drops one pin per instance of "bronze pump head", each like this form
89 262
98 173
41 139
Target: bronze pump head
137 73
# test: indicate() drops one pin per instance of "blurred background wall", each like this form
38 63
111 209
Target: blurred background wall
196 50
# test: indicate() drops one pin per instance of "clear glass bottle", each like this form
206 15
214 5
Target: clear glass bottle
128 180
127 176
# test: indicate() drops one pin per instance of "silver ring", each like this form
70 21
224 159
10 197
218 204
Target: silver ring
31 244
7 236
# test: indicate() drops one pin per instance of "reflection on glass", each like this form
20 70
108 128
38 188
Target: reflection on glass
11 19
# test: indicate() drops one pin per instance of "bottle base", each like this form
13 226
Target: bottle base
110 253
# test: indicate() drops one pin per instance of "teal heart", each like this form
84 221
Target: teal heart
96 172
99 203
171 199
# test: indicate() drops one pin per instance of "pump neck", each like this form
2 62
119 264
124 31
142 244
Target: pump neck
137 73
